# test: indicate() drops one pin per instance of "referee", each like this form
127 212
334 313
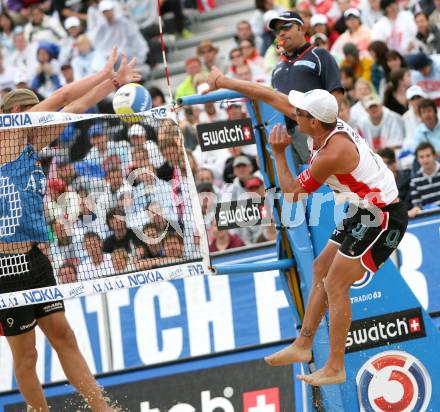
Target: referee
302 67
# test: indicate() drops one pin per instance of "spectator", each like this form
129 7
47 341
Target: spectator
411 118
340 26
242 168
73 27
137 136
429 130
223 240
245 72
302 68
67 73
250 53
86 61
115 186
42 28
356 33
23 58
102 147
434 18
267 234
360 65
208 53
395 94
97 264
379 70
157 96
426 74
118 30
48 76
172 246
320 40
319 23
6 32
397 27
121 236
402 177
244 32
395 61
348 80
362 89
344 113
371 12
121 261
7 74
67 9
237 59
67 273
383 127
63 249
425 192
193 66
427 37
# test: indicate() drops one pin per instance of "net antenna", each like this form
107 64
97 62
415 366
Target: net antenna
121 214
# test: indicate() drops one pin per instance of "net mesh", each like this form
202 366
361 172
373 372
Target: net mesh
110 195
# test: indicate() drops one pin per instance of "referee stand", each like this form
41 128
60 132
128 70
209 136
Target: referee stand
390 351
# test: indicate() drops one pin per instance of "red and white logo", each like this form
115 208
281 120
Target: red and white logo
264 400
393 381
247 133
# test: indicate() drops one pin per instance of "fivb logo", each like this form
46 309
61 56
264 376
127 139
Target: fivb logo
221 135
393 381
383 330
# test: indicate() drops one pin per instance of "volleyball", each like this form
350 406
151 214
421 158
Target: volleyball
132 98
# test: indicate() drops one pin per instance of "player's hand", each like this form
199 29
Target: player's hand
213 79
127 73
109 67
279 139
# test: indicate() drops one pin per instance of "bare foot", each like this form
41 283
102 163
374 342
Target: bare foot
288 355
324 376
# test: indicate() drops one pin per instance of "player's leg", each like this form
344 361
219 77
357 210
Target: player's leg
342 274
62 339
25 355
300 350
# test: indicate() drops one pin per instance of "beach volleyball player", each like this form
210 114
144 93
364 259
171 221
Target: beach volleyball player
343 160
23 227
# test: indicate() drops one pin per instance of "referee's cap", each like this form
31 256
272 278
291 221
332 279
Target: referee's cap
319 103
19 97
285 16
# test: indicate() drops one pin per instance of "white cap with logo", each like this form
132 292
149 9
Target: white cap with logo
319 103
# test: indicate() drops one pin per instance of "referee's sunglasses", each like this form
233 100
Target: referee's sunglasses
282 28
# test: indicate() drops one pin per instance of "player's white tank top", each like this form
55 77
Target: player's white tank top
370 183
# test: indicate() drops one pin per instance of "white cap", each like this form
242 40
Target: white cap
137 130
352 12
414 91
72 21
20 77
317 36
319 103
105 5
318 19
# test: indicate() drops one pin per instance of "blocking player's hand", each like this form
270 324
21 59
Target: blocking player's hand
279 139
213 78
127 72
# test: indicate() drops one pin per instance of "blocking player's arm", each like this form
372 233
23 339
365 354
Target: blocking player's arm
254 91
43 136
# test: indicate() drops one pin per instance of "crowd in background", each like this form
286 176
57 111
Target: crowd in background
388 55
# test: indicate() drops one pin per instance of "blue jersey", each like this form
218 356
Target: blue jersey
22 189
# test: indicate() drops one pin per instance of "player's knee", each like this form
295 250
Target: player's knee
64 339
332 287
320 270
27 360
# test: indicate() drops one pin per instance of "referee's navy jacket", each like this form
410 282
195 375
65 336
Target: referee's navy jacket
306 69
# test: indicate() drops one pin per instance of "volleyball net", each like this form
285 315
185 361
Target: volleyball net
111 202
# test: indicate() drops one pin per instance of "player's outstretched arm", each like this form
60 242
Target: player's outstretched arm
255 91
71 92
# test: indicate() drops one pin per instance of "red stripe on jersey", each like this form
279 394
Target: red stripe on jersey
2 332
361 189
